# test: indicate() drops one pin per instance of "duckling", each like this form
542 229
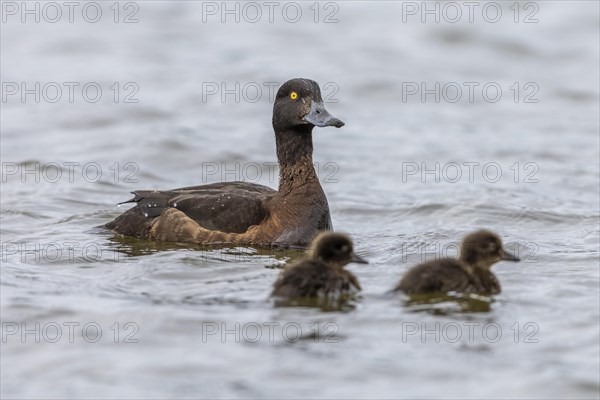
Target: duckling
322 272
248 214
470 273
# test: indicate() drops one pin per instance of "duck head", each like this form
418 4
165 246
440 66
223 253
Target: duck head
299 106
334 249
482 249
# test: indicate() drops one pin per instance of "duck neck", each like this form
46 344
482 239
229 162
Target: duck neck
294 154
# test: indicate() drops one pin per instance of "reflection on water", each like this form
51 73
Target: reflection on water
134 247
344 302
448 304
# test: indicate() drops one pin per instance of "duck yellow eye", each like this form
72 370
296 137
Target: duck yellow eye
293 95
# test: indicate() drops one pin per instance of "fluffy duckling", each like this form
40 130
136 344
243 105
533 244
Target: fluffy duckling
322 272
470 273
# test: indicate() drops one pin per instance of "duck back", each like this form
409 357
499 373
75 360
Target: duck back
436 276
447 275
311 278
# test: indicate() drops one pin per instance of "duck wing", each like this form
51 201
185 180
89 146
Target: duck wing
224 206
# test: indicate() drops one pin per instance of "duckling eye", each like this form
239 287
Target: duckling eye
293 95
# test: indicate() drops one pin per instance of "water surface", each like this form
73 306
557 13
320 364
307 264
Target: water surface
182 322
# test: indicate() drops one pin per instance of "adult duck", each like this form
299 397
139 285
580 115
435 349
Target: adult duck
244 213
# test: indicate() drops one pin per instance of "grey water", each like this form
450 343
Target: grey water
483 120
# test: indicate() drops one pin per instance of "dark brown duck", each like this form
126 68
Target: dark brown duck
322 272
246 213
470 273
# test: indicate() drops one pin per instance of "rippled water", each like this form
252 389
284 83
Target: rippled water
184 322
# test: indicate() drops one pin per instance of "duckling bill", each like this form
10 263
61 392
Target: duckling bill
322 272
470 273
246 213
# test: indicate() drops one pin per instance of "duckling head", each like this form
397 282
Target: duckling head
483 248
299 106
334 249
